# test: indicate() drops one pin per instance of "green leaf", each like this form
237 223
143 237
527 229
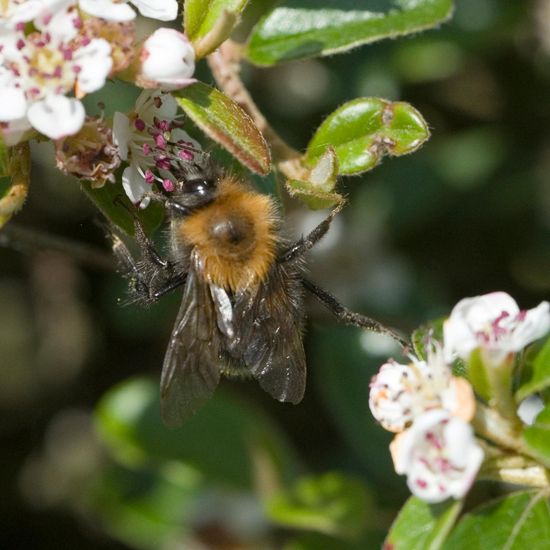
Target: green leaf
145 509
536 373
515 522
478 375
362 131
537 436
220 118
308 28
209 22
422 526
331 504
219 441
108 200
318 541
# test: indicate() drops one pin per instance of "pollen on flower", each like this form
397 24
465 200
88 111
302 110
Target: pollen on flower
44 59
399 393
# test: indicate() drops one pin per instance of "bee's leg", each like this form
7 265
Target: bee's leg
166 278
139 286
148 251
349 317
151 277
306 243
170 284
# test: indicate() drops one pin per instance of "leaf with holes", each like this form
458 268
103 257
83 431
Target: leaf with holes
362 131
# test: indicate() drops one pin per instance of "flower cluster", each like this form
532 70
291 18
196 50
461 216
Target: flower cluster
153 144
430 409
54 52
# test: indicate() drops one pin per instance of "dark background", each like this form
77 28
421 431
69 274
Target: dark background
467 214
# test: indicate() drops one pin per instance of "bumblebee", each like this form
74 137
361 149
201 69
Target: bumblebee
241 313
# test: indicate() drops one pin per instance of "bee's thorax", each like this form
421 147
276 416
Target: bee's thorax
234 236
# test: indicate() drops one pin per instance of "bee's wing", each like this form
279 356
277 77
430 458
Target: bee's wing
191 369
269 323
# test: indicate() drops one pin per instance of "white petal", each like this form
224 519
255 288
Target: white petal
59 19
13 104
146 106
95 63
460 485
439 455
458 435
164 10
57 116
106 9
181 135
392 396
122 134
168 59
534 325
25 11
471 316
529 409
134 184
15 131
8 40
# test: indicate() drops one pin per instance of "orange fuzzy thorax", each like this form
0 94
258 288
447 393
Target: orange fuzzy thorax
234 237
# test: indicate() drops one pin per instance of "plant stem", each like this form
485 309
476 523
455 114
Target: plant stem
492 426
533 476
25 239
225 66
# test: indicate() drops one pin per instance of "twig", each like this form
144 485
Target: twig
27 240
224 64
533 476
489 424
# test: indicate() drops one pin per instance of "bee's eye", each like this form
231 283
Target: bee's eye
197 186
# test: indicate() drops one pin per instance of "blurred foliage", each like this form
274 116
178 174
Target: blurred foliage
466 214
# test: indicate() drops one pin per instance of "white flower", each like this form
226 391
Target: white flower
400 393
20 11
120 11
439 455
45 65
495 324
150 141
167 60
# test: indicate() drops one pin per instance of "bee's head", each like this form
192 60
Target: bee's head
197 187
197 191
